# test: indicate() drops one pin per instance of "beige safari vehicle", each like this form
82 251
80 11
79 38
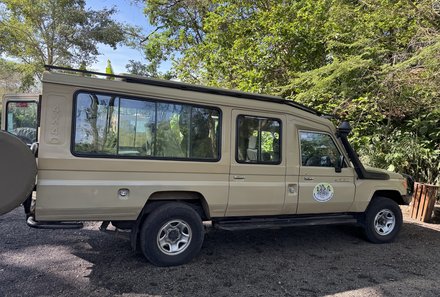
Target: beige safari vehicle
160 158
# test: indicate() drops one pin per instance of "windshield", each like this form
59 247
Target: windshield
21 120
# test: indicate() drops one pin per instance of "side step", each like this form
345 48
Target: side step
244 223
52 225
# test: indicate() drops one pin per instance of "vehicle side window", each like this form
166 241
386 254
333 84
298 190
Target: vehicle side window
131 127
258 140
21 120
318 149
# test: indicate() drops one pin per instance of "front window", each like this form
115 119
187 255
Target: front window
318 150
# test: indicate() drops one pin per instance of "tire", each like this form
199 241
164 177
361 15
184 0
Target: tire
171 235
383 220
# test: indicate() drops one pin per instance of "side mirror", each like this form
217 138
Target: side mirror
339 164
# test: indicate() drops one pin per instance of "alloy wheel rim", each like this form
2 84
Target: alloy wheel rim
174 237
384 222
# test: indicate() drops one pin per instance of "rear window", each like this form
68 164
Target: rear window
258 140
21 120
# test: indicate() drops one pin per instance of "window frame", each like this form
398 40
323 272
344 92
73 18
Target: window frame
280 121
23 101
345 165
149 99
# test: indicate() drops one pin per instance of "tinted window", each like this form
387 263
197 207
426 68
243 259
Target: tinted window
21 120
96 124
111 125
136 128
318 149
258 140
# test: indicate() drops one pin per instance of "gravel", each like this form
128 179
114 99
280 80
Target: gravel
299 261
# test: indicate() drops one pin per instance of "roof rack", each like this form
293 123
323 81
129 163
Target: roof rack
189 87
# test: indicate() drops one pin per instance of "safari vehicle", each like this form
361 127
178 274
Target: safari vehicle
161 157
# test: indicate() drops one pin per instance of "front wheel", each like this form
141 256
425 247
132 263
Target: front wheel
382 221
172 235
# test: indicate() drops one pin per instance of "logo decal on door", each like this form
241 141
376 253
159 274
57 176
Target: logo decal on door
323 192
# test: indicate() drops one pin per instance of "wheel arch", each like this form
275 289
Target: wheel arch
194 199
391 194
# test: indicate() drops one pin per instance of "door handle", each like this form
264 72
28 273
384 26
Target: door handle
239 177
308 178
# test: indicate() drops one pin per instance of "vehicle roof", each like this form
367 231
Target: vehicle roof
137 84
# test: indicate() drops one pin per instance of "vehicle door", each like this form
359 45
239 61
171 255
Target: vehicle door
257 175
20 117
321 188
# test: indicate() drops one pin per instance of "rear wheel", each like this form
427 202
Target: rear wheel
171 235
383 220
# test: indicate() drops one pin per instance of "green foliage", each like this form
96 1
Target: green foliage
15 77
268 140
247 45
24 116
55 32
375 63
138 68
109 70
83 66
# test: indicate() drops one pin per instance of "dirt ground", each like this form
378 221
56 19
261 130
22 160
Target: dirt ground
299 261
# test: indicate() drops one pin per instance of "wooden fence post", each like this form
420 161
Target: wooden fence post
423 201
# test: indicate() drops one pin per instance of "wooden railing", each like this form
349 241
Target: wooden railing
423 201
